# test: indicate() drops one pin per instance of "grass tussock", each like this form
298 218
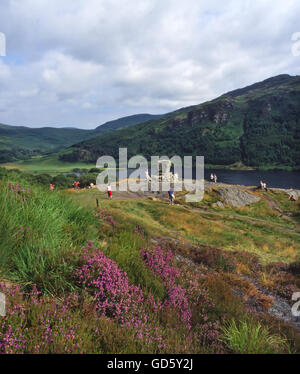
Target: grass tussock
248 337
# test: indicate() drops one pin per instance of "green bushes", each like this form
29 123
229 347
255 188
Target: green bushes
61 181
43 179
86 179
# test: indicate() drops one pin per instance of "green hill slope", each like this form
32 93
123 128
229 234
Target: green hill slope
20 142
257 125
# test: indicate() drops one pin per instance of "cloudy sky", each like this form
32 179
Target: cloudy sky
83 62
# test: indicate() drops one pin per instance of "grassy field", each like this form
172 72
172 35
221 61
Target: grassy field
136 275
47 164
255 229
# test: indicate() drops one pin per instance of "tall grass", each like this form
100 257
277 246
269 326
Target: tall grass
124 248
40 233
249 337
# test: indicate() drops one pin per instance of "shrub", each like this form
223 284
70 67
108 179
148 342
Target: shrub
86 179
44 179
94 170
63 181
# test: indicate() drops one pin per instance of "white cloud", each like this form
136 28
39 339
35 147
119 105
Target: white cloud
85 62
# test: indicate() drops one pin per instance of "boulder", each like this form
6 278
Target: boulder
237 197
219 204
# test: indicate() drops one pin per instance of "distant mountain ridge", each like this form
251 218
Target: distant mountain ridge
127 121
21 142
258 125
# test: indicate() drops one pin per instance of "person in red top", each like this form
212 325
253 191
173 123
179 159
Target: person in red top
109 193
76 185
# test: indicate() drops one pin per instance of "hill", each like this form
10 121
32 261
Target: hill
258 126
137 275
125 122
20 142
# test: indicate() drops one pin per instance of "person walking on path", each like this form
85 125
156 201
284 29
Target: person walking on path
109 192
171 196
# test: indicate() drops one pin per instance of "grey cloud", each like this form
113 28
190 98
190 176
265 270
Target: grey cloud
83 63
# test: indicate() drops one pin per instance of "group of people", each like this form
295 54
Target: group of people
213 177
263 185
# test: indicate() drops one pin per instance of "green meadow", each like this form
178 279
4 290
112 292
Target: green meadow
47 164
136 275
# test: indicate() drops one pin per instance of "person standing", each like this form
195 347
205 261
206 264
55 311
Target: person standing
109 192
148 179
215 178
171 196
51 187
211 177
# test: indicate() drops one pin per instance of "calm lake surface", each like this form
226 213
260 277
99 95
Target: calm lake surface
273 178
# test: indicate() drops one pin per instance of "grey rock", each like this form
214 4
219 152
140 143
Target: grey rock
219 204
236 197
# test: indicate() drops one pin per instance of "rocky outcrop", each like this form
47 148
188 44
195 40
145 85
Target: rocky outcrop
236 197
218 204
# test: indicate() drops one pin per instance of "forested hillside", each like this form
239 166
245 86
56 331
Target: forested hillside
21 143
258 125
